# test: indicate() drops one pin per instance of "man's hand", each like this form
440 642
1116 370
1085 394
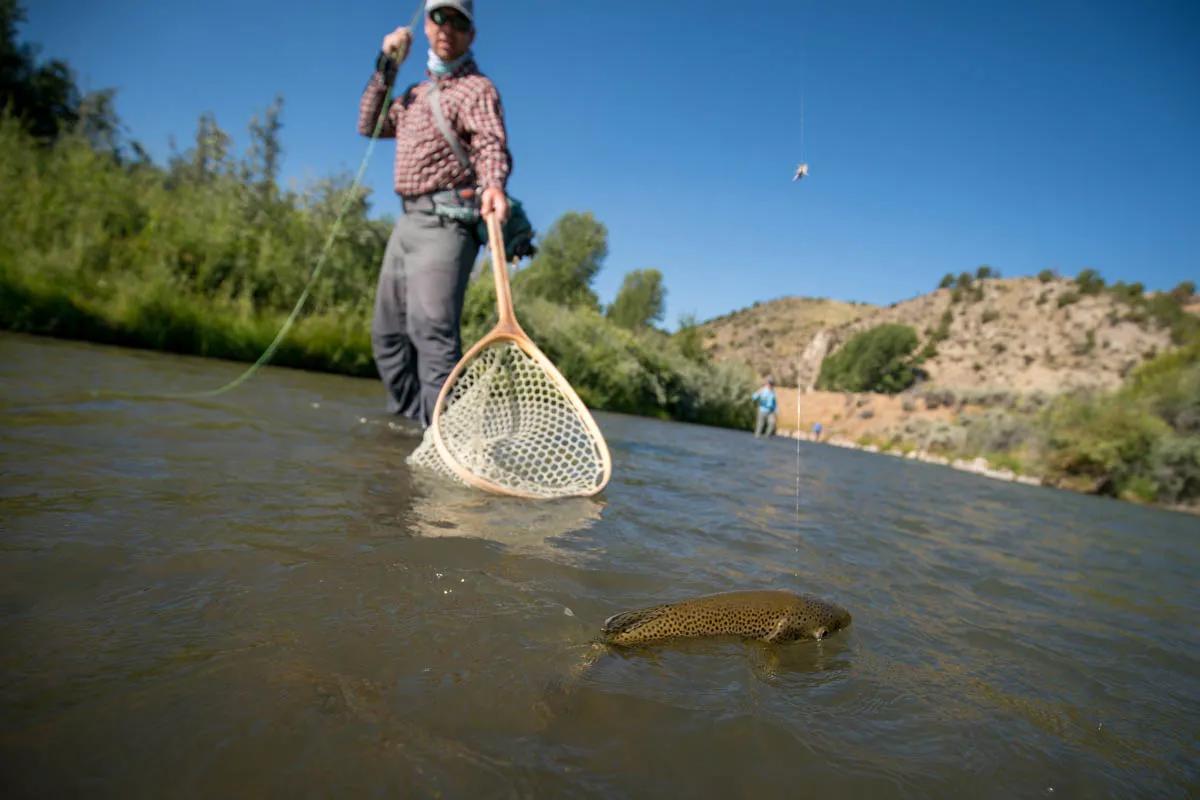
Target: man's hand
494 201
397 44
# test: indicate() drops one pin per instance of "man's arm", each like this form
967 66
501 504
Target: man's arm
393 50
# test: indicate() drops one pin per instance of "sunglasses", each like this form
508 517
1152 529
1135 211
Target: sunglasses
441 16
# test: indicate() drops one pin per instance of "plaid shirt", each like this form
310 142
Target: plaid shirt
425 161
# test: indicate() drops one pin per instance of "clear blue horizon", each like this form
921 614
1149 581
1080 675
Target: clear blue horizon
940 136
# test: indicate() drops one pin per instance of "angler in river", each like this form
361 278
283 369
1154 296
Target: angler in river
415 334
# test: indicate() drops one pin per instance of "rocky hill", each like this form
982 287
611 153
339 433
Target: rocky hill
992 356
771 337
1017 335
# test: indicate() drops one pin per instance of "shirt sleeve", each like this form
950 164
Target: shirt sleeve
372 100
483 122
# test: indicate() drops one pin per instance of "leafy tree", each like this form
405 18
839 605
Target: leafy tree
690 339
262 168
43 96
947 281
876 360
640 300
209 155
569 257
1046 275
96 121
986 271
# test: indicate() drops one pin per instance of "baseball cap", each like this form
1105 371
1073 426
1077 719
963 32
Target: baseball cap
464 7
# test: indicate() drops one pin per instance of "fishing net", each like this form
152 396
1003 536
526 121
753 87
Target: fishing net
511 424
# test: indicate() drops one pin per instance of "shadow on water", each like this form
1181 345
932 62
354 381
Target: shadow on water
252 594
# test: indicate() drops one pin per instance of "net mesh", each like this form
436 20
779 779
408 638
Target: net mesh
508 422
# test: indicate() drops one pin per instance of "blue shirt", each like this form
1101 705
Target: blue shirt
765 397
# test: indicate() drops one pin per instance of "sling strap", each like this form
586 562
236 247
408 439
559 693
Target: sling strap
439 119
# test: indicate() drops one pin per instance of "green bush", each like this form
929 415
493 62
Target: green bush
994 431
876 360
1167 310
1184 291
1046 275
1105 440
1174 469
1089 281
1130 293
1170 386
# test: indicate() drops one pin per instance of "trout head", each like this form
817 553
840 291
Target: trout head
809 618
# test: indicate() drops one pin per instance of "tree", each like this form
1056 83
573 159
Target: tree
265 149
96 121
986 271
568 259
44 97
947 281
208 157
640 300
690 339
875 360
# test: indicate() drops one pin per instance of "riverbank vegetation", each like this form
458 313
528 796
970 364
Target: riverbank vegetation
1140 443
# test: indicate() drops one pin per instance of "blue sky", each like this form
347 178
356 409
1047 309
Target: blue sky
941 135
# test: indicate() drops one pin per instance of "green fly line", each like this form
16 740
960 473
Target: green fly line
334 230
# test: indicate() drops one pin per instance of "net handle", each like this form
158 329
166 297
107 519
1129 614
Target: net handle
507 322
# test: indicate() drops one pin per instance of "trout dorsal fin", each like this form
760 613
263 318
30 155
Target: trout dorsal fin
628 620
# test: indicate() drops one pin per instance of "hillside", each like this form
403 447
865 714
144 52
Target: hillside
1017 335
771 336
998 363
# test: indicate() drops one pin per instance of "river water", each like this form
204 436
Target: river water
252 595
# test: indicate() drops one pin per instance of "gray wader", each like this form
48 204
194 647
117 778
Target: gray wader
765 419
418 305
